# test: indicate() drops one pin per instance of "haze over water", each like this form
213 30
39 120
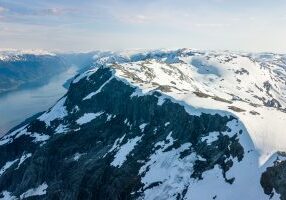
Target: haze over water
16 106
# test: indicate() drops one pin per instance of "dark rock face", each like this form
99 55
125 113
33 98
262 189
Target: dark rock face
77 164
273 103
274 178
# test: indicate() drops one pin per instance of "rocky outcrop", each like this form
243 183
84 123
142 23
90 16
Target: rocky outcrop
273 179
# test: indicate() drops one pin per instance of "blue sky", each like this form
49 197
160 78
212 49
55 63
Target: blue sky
82 25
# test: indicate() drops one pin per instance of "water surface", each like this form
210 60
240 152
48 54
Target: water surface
16 106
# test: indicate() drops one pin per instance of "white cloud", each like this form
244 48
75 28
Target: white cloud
89 24
55 11
3 10
134 19
212 25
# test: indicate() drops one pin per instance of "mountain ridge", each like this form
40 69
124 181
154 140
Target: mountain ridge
136 126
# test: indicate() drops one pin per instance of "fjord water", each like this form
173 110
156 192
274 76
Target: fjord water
16 106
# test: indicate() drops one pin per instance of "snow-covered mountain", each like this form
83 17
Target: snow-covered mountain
165 124
20 69
16 54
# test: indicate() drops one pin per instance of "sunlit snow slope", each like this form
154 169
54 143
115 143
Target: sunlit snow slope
251 86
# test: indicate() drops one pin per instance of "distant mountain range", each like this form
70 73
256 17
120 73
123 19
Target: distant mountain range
19 69
164 124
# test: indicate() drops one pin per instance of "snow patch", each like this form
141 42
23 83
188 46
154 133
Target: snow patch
23 158
86 74
166 171
88 117
142 126
213 136
167 124
99 89
7 196
121 156
7 166
38 191
116 143
77 156
5 141
58 111
39 137
61 129
161 100
109 117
